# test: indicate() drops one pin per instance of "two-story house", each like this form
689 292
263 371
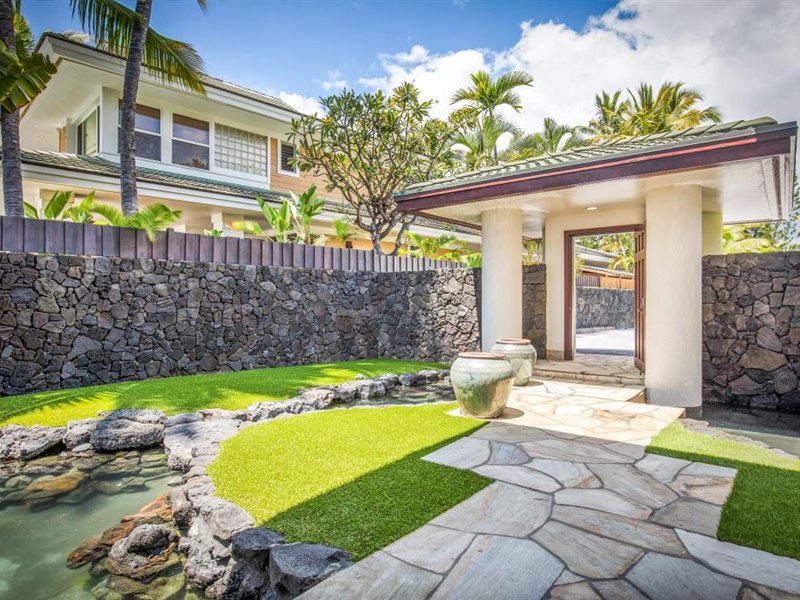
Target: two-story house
208 156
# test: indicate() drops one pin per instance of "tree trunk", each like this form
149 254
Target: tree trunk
130 87
9 128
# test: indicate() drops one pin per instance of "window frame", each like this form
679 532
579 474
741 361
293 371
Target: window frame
235 172
136 130
79 133
208 146
296 171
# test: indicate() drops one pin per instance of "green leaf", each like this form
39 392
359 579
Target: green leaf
248 227
57 204
30 210
22 78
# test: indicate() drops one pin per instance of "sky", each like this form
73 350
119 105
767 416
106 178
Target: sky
742 55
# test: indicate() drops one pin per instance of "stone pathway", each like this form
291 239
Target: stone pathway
577 510
591 367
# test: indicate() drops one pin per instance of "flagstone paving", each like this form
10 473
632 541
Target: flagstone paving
577 510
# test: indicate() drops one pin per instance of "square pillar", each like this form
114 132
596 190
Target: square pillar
501 275
673 309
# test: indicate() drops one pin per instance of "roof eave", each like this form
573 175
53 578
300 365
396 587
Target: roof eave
764 141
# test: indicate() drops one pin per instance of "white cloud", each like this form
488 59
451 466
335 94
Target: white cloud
741 56
437 76
334 82
302 103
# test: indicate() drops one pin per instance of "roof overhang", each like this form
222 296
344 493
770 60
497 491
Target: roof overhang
764 156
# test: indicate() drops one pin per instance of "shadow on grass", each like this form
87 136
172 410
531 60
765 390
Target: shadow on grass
762 510
180 394
370 512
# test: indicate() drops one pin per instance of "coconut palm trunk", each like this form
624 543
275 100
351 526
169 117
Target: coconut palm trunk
9 126
130 87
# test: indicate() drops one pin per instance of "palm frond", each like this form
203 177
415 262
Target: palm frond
22 78
23 35
111 25
30 210
56 205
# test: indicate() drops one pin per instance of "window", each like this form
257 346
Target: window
147 132
88 134
190 142
240 150
285 160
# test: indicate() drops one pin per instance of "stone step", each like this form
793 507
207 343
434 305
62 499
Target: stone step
590 377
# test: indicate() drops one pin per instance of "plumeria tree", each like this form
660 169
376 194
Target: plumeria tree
369 146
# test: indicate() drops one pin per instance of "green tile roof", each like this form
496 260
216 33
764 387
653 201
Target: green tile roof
95 165
624 147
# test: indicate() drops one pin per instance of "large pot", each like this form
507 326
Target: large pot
522 356
482 382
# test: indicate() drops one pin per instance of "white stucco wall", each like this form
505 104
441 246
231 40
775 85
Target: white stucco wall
712 233
673 311
501 275
554 259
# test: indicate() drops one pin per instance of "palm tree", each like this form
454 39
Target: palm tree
477 142
23 75
553 138
484 97
127 32
673 107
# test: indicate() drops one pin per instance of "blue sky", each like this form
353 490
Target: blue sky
293 45
742 59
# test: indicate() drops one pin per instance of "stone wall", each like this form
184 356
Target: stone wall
71 321
751 330
534 303
603 307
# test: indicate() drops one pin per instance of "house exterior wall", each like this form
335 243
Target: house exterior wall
751 330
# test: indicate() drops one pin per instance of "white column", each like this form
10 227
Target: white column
712 233
501 275
673 331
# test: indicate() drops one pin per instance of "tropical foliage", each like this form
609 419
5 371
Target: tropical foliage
445 247
127 33
533 252
290 219
23 75
344 232
369 146
152 219
479 126
672 107
61 206
553 137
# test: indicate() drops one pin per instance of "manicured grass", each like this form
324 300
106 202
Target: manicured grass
176 395
350 478
762 511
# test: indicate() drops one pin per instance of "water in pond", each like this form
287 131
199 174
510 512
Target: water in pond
775 429
50 506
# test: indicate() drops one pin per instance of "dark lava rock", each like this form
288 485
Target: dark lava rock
79 432
296 568
128 429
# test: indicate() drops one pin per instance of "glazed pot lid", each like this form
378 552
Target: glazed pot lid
513 341
482 355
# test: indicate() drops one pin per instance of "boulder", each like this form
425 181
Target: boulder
127 429
296 568
411 379
183 440
148 550
79 433
254 544
222 517
23 443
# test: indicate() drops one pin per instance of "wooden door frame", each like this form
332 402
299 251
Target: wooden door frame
569 275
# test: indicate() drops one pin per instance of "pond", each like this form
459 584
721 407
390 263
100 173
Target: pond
50 506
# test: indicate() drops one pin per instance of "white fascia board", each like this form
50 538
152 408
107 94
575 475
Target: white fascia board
111 64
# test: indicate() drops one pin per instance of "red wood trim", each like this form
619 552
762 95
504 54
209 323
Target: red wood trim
559 178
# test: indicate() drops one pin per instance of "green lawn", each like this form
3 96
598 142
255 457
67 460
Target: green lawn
350 478
763 511
176 395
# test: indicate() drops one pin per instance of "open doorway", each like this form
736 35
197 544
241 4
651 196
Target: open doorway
604 295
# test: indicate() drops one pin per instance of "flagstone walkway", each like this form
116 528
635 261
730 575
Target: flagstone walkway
577 510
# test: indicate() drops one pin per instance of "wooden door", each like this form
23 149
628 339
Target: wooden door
639 297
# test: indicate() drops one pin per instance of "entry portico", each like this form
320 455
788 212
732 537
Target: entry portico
678 187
